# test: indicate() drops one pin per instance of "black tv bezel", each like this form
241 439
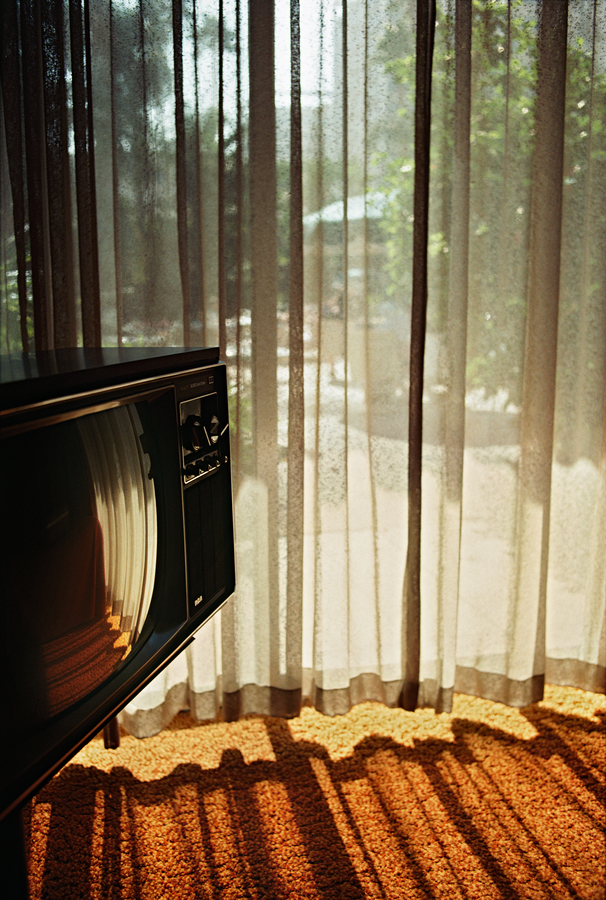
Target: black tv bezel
39 388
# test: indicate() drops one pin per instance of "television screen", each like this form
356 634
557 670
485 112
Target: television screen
116 538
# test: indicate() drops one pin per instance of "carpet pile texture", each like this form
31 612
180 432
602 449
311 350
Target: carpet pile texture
486 802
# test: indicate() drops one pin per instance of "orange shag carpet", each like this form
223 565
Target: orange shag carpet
486 802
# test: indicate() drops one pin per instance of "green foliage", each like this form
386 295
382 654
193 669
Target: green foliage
503 101
10 335
10 313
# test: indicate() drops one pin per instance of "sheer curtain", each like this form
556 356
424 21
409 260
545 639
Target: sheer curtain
513 508
390 218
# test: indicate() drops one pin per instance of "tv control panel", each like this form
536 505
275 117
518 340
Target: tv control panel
201 432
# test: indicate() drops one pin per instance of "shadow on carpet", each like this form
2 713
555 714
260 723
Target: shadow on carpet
474 813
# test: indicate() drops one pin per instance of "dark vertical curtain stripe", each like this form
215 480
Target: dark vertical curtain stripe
296 407
459 257
231 701
5 320
239 239
445 125
94 314
221 176
85 174
145 181
182 227
94 311
426 16
11 102
115 183
345 170
200 312
58 177
543 294
345 178
504 237
545 243
33 96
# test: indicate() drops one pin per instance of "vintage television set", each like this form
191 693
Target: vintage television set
116 538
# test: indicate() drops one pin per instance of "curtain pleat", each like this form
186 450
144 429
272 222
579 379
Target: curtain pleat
238 302
90 301
255 661
221 188
58 176
390 218
538 402
576 592
11 100
346 637
411 636
200 305
437 690
316 278
181 170
117 253
36 176
296 372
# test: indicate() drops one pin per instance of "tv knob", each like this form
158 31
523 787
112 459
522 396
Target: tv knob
214 429
193 433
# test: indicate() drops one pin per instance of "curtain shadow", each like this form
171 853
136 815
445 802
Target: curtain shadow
482 814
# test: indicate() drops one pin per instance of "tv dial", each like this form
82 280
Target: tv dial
201 433
194 433
214 429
